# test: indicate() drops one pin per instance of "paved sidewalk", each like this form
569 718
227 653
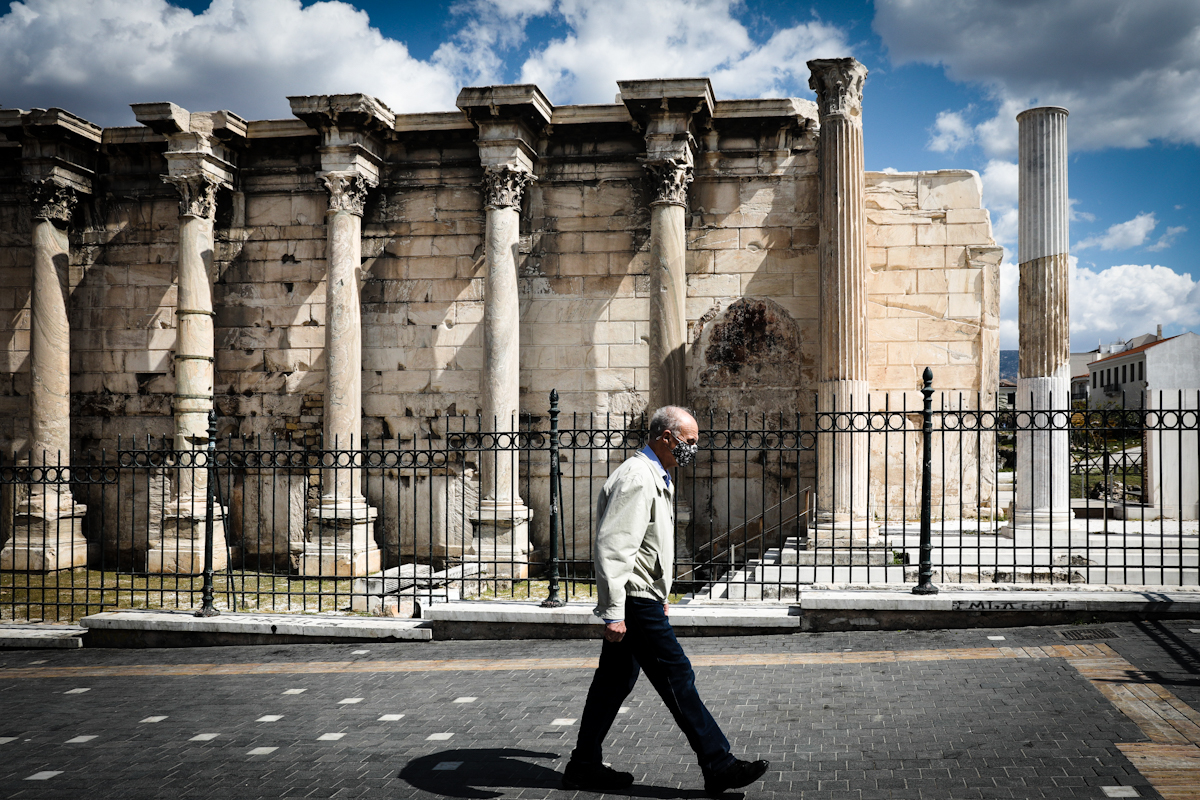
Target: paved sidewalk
932 714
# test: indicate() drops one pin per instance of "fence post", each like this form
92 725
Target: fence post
208 609
926 574
553 600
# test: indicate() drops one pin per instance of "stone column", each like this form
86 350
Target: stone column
201 151
1042 499
180 549
669 179
500 382
510 121
340 538
842 514
48 525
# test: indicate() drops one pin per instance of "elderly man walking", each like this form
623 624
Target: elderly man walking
635 546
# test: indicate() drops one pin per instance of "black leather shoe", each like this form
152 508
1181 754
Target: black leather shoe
595 777
735 776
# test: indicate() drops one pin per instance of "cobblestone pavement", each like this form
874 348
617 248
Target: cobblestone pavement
955 714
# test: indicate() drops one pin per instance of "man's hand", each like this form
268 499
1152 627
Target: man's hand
666 609
614 631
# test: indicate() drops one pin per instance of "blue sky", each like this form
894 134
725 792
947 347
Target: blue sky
946 80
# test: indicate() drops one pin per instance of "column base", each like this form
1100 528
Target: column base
46 540
1037 527
842 530
180 551
340 541
502 537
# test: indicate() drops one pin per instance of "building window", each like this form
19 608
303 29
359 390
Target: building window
1123 374
1094 376
1141 370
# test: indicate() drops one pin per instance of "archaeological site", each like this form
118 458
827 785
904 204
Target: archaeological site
378 306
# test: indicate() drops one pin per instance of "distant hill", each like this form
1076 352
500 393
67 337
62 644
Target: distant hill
1009 364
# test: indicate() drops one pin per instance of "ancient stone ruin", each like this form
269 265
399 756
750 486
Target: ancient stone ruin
367 275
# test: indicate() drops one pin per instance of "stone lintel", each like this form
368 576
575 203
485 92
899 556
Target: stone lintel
353 128
785 108
510 120
56 146
647 99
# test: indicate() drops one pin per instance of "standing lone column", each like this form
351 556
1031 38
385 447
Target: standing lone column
47 533
669 178
1044 378
842 269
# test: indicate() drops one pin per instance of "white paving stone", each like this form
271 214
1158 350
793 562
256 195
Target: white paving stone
45 775
269 718
391 717
564 721
155 719
359 652
294 691
204 737
262 751
995 638
77 691
330 737
349 701
438 737
7 739
1119 791
465 699
447 765
80 739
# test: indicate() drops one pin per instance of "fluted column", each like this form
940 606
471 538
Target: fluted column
842 269
669 179
1044 377
501 379
47 532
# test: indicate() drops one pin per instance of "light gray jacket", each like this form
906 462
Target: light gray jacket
635 537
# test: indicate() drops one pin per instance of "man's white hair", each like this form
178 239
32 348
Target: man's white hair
668 417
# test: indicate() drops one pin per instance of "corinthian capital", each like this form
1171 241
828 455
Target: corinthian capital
347 191
51 201
504 185
669 179
197 194
838 83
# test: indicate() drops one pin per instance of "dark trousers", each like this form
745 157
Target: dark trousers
649 644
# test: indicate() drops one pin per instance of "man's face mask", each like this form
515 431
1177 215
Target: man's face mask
683 452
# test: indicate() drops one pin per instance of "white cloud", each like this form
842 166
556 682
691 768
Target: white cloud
1123 235
1075 214
1119 302
1128 300
1168 238
1129 71
951 132
1000 184
625 39
94 57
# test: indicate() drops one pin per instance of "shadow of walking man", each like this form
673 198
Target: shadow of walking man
479 773
489 773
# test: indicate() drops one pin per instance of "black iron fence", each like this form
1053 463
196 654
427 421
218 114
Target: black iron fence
944 492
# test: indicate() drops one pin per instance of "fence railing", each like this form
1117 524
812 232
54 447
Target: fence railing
464 510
